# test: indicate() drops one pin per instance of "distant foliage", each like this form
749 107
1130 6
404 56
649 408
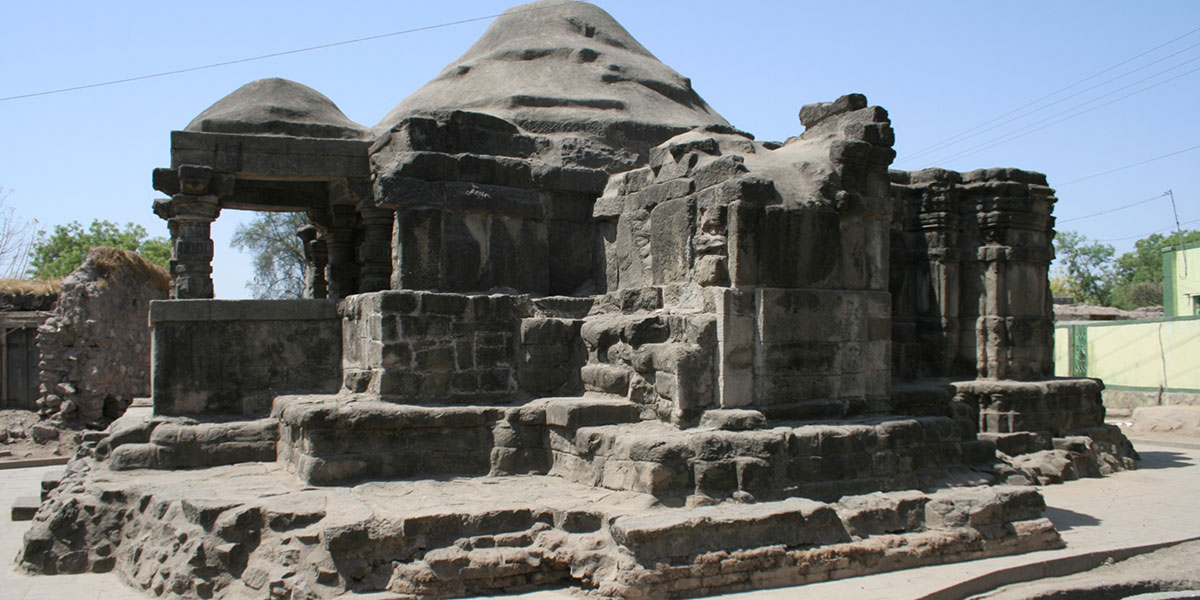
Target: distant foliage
1087 271
1137 295
1084 267
55 255
1142 267
277 251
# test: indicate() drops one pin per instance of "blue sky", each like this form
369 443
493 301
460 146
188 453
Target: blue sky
940 68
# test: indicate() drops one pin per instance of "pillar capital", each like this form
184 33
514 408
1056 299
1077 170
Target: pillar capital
189 218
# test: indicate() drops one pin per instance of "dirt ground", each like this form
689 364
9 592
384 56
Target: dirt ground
1175 568
17 438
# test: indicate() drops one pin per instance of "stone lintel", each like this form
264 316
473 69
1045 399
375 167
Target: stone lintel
164 311
269 155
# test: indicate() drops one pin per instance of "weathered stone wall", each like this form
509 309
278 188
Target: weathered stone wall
434 348
475 211
786 243
969 274
660 357
232 357
95 348
423 348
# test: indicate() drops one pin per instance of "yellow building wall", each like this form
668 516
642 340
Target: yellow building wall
1062 352
1182 281
1138 354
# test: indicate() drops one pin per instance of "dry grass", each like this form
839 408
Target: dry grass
109 260
30 286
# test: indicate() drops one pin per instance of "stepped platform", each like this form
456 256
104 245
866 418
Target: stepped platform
263 532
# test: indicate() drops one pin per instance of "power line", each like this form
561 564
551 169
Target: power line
266 56
962 137
1138 237
1033 127
1113 210
1149 160
1059 91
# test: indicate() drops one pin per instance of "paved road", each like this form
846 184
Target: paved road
1154 504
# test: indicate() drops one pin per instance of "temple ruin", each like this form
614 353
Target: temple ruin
569 327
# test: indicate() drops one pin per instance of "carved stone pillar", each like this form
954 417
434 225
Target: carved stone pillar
375 250
343 271
316 257
940 222
189 219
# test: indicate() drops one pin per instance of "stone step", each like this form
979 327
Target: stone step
25 507
330 440
495 535
816 460
180 444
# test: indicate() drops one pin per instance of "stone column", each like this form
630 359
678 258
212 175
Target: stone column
940 222
342 272
189 218
375 250
316 257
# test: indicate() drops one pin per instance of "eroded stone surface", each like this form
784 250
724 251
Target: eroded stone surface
261 532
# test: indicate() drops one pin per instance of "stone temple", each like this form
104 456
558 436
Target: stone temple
569 327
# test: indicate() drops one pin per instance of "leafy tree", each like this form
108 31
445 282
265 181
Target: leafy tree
1085 266
55 255
16 236
1136 295
278 254
1144 263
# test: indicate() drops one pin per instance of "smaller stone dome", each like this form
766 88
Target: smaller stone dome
277 107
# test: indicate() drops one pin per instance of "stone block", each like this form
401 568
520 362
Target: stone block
449 305
754 475
605 378
437 358
791 523
733 419
546 355
573 413
25 507
417 239
670 240
541 380
547 331
645 330
1018 443
715 478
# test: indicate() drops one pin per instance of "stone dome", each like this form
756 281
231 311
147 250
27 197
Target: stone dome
559 65
277 107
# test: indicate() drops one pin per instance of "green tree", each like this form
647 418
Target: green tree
56 254
1144 263
1138 273
277 251
1085 267
1136 295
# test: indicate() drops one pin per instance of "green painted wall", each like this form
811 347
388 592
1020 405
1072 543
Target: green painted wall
1181 281
1136 355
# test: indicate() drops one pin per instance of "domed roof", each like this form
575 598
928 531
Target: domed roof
277 107
558 65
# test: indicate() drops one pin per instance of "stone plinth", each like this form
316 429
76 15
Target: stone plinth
232 357
488 535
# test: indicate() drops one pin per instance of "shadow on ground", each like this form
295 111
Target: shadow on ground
1065 519
1163 459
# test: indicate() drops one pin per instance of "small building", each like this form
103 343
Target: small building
24 306
1144 361
1181 280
